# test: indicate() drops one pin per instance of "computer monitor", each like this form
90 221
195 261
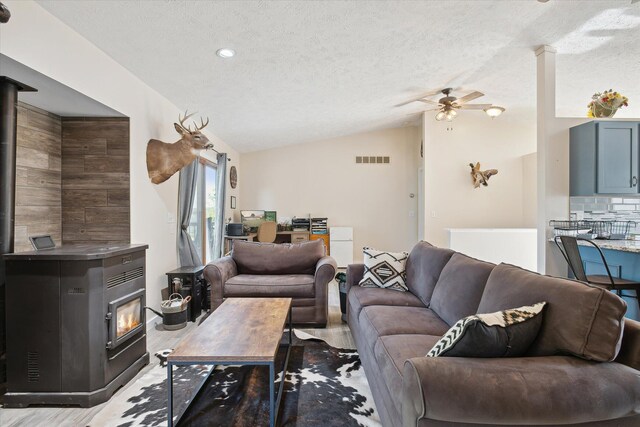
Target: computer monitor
251 220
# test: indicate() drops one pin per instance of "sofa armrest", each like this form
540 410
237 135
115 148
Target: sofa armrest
325 272
216 273
526 390
354 275
630 347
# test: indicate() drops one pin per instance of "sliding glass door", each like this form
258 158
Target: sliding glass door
203 215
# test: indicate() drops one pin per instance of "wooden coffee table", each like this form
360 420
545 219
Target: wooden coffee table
242 331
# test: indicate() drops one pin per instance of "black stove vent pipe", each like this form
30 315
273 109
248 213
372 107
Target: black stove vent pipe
9 89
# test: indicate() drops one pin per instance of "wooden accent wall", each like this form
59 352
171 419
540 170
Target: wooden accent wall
38 179
95 180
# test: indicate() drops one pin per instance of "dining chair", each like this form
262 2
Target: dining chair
267 232
568 246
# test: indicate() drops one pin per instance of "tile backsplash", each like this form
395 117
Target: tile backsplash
606 209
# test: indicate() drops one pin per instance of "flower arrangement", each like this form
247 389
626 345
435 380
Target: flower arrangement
606 104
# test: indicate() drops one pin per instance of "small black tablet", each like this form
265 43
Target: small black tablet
42 242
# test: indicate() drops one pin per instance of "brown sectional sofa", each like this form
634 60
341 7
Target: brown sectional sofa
300 271
394 330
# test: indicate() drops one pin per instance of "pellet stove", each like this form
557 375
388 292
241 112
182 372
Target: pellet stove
75 323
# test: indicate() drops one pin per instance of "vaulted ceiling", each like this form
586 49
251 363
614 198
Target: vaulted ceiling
314 70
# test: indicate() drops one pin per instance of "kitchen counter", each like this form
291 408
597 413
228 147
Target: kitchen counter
614 245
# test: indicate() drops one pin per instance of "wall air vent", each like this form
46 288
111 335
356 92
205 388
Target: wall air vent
76 291
124 277
373 159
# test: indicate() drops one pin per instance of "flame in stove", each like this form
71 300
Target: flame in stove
127 322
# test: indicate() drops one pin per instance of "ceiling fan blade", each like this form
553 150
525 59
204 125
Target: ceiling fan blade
469 97
422 111
475 106
424 95
428 101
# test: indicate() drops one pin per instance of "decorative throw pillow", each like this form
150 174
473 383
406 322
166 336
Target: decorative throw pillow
507 333
384 269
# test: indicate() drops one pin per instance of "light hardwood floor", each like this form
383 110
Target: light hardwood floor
336 334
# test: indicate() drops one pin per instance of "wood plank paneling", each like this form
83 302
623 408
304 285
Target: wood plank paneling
38 176
95 180
83 198
106 163
31 158
109 215
92 233
118 197
39 214
72 178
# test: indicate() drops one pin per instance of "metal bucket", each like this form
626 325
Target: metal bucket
174 312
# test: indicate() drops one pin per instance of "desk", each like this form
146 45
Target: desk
281 237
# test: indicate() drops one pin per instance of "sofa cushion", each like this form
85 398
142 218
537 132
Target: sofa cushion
424 265
286 285
579 319
459 289
555 390
360 297
271 258
384 269
392 351
507 333
377 320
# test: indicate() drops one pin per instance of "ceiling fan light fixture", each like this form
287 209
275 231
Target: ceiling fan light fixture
226 53
450 115
494 111
441 115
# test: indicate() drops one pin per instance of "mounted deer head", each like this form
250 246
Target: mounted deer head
163 160
4 14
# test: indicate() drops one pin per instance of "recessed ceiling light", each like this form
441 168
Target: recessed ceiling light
225 53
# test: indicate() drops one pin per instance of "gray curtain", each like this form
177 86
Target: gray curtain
221 197
187 252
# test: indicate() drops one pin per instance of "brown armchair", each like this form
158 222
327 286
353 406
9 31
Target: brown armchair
300 271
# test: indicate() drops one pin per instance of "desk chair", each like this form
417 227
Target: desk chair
568 246
267 232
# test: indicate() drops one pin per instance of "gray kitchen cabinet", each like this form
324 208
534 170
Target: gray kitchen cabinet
604 158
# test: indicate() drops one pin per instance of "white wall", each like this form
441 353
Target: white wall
322 179
39 40
451 201
529 190
517 246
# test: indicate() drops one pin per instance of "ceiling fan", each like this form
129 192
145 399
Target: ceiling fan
448 105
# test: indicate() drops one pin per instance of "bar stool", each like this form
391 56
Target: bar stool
568 246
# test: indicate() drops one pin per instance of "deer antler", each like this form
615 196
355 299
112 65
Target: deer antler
184 119
202 124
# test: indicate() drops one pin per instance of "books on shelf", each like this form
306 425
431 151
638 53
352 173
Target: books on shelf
312 225
319 226
300 224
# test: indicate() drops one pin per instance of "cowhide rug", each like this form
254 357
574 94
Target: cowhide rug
324 386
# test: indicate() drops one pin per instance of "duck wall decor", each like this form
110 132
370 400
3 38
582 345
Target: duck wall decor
481 177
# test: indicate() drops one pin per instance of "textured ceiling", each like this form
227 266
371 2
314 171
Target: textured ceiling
313 70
